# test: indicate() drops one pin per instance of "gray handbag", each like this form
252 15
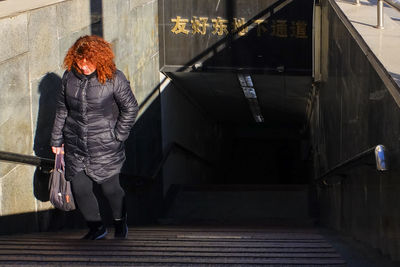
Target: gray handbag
60 189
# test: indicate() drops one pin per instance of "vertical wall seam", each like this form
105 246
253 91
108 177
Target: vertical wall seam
31 98
341 125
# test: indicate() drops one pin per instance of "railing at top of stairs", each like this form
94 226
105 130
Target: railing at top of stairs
393 3
375 156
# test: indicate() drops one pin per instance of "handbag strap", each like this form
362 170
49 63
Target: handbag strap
59 161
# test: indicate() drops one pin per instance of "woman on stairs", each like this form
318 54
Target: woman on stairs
95 113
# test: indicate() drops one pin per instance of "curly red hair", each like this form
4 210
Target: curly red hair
96 50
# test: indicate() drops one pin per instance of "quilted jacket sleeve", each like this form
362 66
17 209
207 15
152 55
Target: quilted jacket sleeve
61 115
127 104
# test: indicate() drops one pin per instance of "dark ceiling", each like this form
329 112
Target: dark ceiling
282 99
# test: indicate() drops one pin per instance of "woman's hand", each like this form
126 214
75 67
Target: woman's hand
57 150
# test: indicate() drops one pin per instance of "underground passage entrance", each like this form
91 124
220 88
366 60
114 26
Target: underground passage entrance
222 164
239 98
249 172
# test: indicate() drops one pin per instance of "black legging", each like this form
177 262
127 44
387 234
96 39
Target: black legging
82 187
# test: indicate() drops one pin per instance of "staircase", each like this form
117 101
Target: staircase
173 246
240 204
220 225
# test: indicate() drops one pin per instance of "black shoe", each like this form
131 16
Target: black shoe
121 228
96 231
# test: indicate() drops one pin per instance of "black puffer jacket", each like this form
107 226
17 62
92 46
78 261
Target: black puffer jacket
92 121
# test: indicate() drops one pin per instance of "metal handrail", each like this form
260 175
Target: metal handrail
172 147
44 162
26 159
380 160
393 3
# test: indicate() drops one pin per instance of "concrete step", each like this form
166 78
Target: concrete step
275 204
173 246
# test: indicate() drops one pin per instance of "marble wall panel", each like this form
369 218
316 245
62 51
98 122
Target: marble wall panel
138 3
17 191
14 86
15 116
72 17
44 94
111 20
43 41
13 36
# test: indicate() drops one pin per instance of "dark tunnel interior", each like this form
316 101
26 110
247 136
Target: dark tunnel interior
263 138
276 151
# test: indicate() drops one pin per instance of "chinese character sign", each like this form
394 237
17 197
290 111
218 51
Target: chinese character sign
232 34
180 25
199 25
239 26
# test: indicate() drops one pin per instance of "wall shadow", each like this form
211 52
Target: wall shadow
41 221
96 17
49 89
50 220
143 150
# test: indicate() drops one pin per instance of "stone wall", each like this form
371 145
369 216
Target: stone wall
34 43
355 111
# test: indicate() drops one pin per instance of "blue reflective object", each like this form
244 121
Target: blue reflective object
380 158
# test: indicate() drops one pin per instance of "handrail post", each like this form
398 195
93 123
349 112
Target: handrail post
380 14
357 2
381 158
